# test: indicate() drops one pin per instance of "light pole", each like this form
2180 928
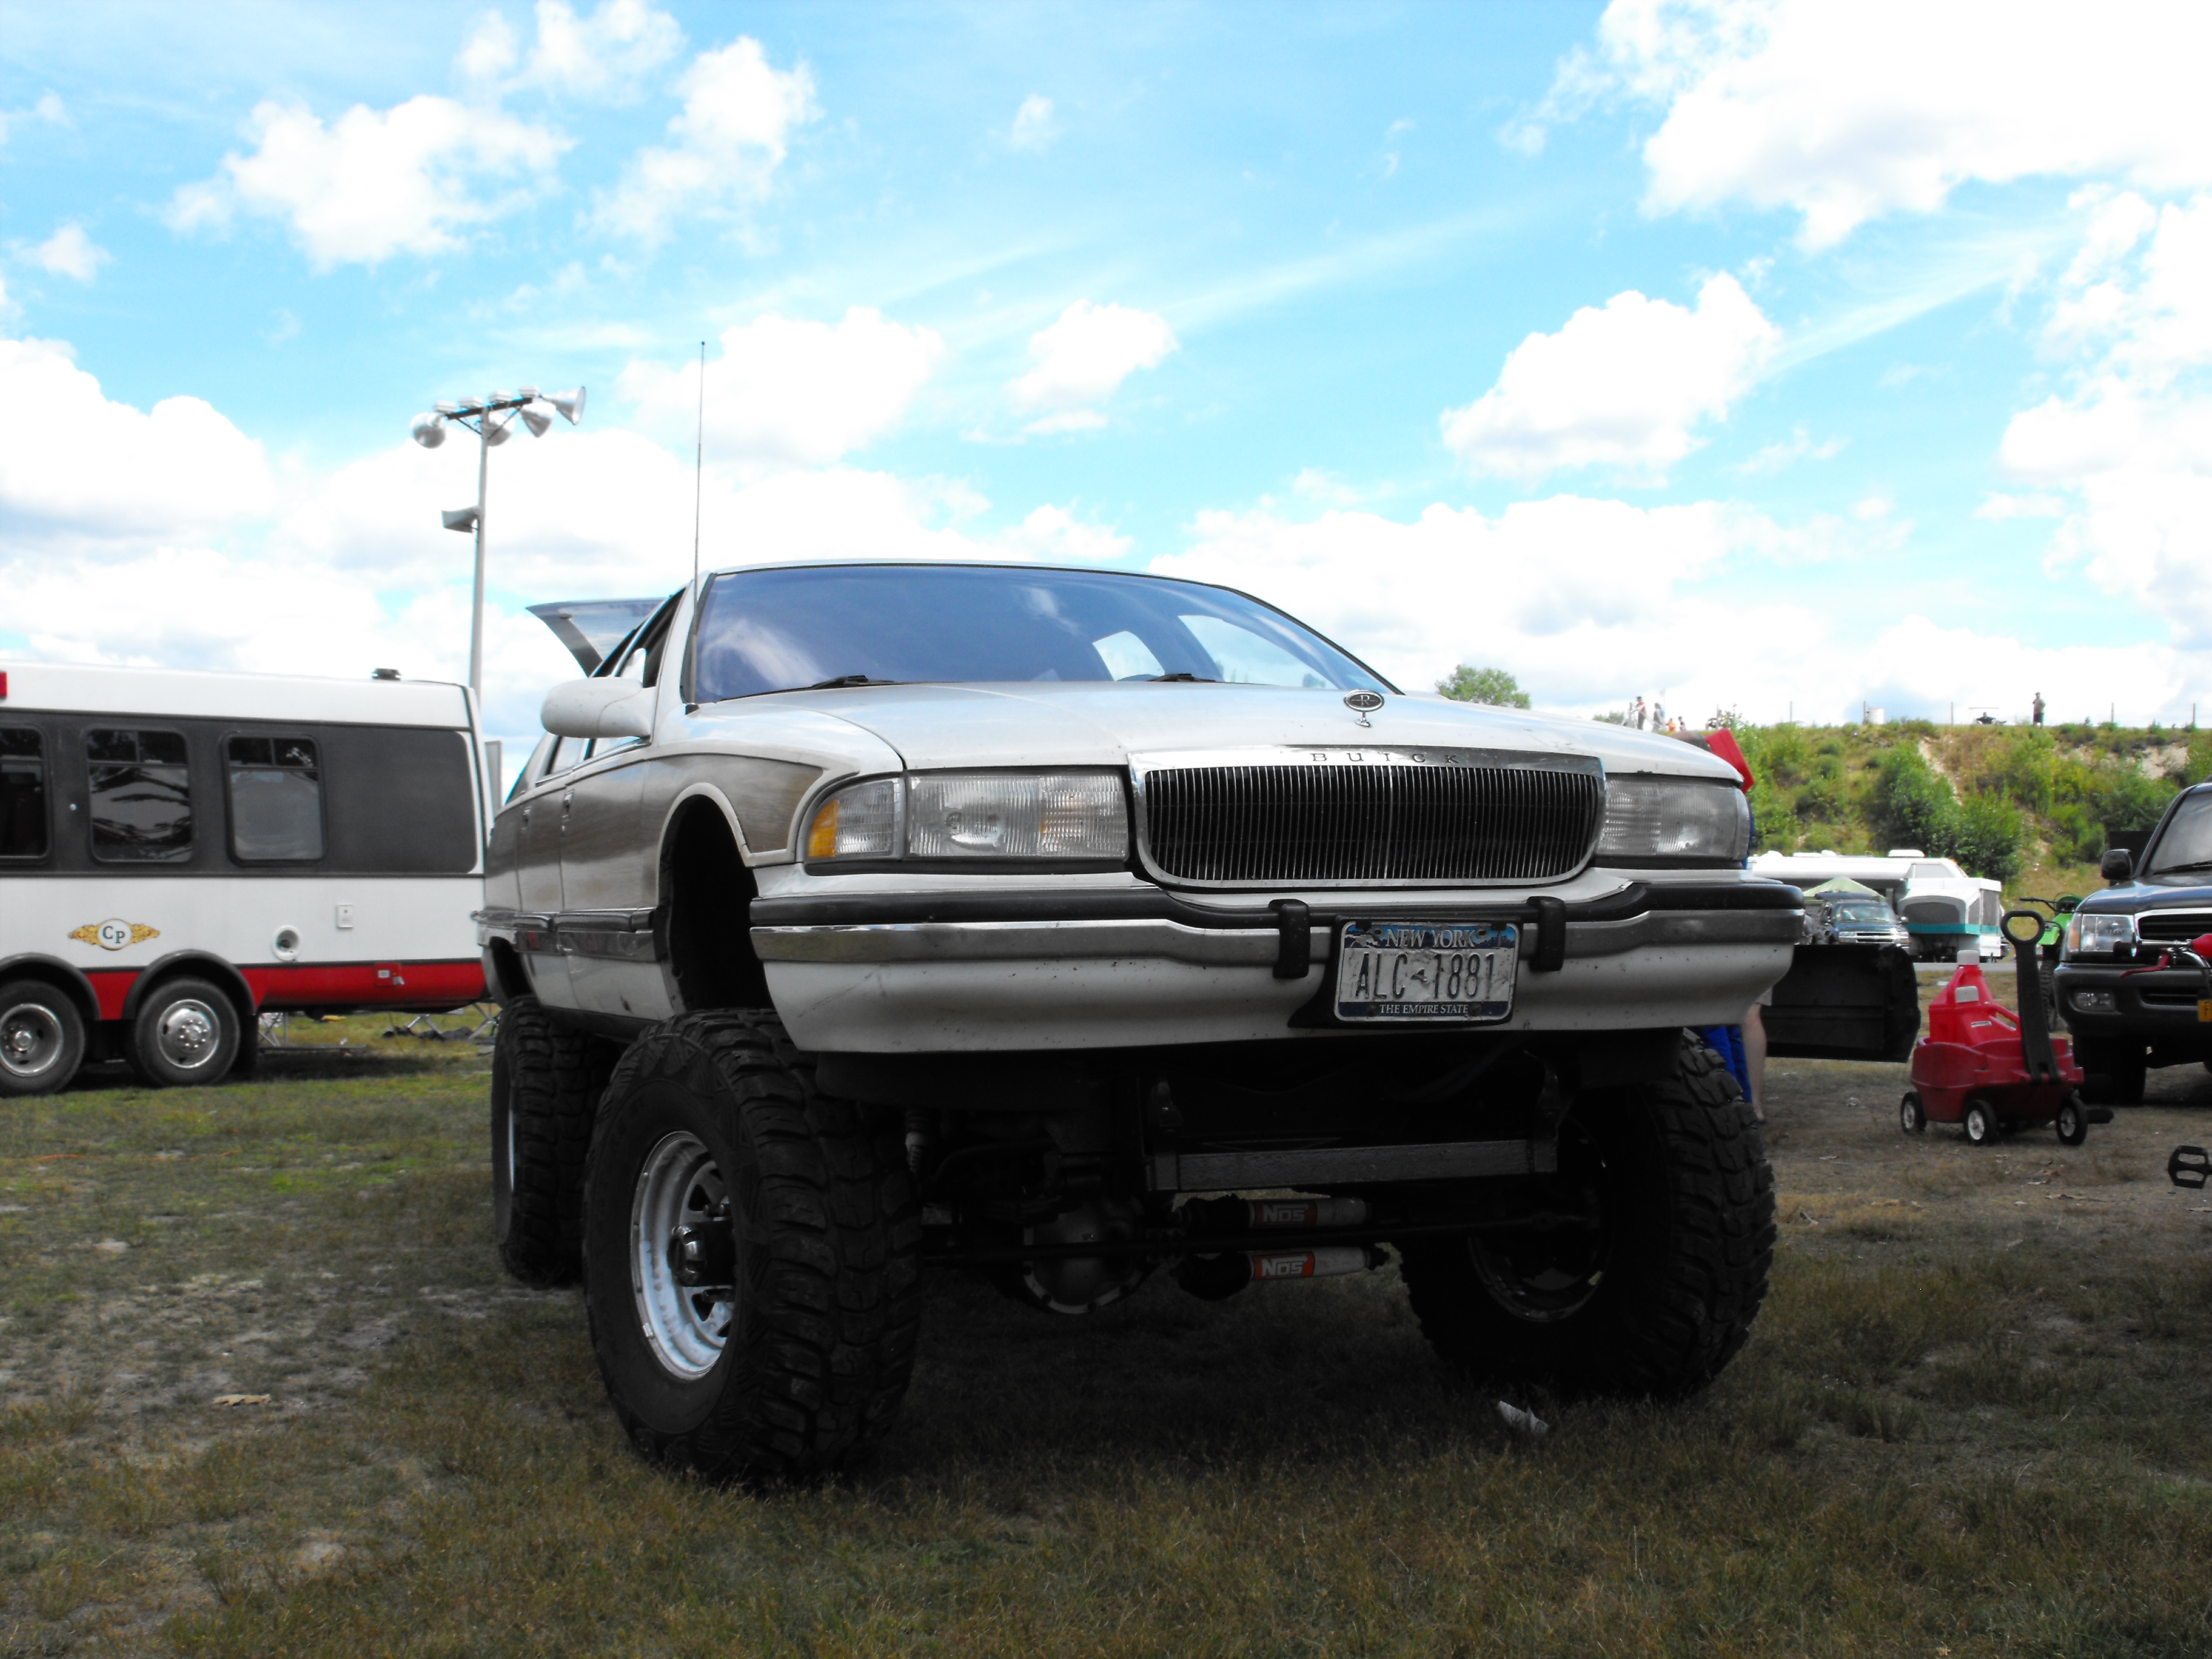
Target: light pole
491 419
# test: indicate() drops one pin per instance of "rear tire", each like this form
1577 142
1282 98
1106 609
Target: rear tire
185 1033
41 1038
1911 1115
2072 1122
1662 1293
546 1081
790 1352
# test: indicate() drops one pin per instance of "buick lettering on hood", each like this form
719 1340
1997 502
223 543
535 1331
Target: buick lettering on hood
1068 927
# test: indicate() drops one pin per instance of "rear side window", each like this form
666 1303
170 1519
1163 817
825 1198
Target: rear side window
23 822
402 800
142 796
275 799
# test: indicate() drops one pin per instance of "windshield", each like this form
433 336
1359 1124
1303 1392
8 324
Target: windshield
779 630
2187 843
1861 910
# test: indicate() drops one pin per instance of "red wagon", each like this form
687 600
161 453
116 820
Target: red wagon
1991 1069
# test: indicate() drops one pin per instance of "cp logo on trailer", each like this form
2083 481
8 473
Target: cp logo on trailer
114 935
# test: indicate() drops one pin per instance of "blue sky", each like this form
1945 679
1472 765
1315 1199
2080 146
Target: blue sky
1780 357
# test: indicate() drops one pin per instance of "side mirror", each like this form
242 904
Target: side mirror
599 708
2119 865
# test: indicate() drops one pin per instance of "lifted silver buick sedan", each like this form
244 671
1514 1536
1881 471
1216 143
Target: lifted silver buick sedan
1065 925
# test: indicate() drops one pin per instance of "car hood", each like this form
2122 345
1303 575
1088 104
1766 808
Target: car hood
1105 723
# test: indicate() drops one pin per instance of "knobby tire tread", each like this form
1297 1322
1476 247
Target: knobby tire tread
557 1076
834 1323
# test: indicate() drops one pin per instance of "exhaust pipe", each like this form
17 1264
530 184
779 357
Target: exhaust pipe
1218 1278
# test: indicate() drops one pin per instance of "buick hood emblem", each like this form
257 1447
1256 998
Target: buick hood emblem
1364 702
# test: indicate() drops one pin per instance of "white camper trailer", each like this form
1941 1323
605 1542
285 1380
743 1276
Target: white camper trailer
1945 909
180 852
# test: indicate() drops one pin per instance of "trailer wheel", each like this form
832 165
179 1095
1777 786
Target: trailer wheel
1982 1125
1911 1115
546 1081
186 1033
41 1038
2072 1122
1657 1290
752 1255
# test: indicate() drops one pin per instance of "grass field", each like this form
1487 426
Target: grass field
1972 1421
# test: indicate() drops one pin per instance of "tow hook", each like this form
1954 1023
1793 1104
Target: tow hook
702 1256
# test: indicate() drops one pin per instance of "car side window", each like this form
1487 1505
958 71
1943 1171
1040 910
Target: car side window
640 664
275 799
24 826
566 753
142 796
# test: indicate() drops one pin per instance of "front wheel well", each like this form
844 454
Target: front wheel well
706 898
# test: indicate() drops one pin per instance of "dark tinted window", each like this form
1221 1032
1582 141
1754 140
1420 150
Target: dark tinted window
401 800
276 797
774 630
142 796
22 793
2185 848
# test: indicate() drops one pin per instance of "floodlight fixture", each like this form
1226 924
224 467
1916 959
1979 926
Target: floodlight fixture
492 419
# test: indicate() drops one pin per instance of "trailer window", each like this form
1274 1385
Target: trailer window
142 796
22 793
275 799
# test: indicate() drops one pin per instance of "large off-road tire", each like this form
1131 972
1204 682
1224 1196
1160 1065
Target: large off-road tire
792 1352
546 1081
1658 1292
185 1032
41 1038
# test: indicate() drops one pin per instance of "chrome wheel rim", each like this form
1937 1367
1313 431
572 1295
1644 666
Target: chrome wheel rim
189 1034
30 1039
687 1327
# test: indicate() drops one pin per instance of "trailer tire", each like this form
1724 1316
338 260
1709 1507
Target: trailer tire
1911 1115
546 1081
803 1211
186 1032
1982 1123
1661 1294
41 1038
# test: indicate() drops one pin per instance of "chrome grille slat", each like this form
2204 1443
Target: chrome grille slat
1231 824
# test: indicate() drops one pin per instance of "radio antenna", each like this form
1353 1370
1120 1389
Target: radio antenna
699 464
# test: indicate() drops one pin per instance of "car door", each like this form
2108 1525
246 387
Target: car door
539 870
606 868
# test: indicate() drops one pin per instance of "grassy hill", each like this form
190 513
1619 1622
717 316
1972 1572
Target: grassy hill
2028 804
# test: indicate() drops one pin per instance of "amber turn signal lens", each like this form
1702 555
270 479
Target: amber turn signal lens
821 839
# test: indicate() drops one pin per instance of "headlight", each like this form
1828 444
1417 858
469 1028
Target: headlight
1670 821
976 815
2098 934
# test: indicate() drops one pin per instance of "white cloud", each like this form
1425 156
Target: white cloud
1800 447
1082 357
1621 386
2127 443
1055 536
48 109
1034 127
69 252
376 183
1845 113
1592 602
76 468
606 55
1999 506
789 391
729 138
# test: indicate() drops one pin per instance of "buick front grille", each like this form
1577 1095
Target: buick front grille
1325 823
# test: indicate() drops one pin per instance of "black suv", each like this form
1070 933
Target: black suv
2123 1019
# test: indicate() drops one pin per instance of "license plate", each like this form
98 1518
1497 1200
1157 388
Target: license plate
2204 1012
1445 970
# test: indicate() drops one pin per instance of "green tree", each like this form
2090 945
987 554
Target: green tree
1490 685
1987 836
1915 807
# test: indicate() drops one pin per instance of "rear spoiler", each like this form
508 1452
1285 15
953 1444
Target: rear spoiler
592 629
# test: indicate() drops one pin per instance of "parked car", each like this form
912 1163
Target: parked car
1053 924
2125 1020
181 852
